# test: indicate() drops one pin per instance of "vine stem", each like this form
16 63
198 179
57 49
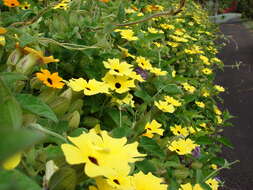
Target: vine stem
48 132
226 166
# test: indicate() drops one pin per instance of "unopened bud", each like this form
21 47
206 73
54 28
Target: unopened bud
74 120
26 64
60 105
13 59
90 121
181 173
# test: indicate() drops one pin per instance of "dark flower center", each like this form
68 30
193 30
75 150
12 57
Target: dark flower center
149 128
178 132
93 160
49 81
117 85
116 181
88 88
12 4
177 150
26 7
116 70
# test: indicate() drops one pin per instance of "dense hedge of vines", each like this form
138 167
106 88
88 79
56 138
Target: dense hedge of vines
109 95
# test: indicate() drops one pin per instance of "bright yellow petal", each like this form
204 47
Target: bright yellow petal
72 154
12 162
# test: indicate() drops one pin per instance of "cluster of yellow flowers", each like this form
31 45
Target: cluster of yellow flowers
102 156
169 104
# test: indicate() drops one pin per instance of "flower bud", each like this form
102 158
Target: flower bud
181 173
90 121
26 64
60 106
13 58
74 120
49 95
196 165
76 106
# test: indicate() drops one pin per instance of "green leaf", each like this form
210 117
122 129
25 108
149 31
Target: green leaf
13 141
26 39
121 12
151 146
64 179
225 141
15 180
120 132
10 78
143 95
145 166
10 112
36 106
204 140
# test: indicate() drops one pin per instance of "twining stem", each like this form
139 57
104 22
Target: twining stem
48 132
165 13
226 166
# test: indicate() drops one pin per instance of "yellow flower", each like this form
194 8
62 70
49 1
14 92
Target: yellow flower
101 184
182 146
207 71
61 5
140 14
158 71
136 76
127 34
200 104
148 181
143 63
188 186
128 100
179 130
219 119
164 106
89 88
173 44
151 8
205 59
203 125
2 41
126 53
167 26
179 32
12 162
40 56
50 80
214 166
178 39
188 87
216 60
157 44
118 68
25 5
219 88
154 30
101 153
217 111
205 94
173 74
129 11
153 128
119 84
172 101
192 130
213 183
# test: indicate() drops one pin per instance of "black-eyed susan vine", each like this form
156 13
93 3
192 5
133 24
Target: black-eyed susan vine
109 95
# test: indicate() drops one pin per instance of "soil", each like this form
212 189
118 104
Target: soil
238 99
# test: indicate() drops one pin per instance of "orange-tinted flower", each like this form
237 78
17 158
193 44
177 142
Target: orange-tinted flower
39 54
2 30
11 3
51 80
105 1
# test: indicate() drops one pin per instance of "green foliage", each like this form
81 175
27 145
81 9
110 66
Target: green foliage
45 46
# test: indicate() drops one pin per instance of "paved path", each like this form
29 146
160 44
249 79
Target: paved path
239 101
